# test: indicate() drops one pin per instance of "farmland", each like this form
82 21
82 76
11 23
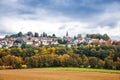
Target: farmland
59 74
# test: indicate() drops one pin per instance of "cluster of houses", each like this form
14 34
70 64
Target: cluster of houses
37 41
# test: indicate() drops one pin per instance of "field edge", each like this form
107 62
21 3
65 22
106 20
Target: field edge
78 69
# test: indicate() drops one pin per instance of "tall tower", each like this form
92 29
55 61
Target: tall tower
66 34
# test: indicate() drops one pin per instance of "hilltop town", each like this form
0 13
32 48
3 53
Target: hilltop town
44 39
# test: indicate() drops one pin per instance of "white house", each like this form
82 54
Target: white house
54 42
29 42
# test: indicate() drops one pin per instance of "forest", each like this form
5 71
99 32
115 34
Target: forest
88 56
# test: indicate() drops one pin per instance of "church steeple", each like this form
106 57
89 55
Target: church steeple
66 34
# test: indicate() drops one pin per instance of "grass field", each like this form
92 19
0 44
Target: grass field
79 69
59 74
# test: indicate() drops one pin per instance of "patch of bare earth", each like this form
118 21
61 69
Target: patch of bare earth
30 74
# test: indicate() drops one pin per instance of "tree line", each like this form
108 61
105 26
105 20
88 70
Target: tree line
93 56
36 34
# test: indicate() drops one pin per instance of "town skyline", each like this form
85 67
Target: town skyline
60 36
58 16
36 39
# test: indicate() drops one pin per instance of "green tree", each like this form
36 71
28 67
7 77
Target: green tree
30 52
29 33
24 45
93 61
105 37
61 51
117 64
20 34
36 34
108 63
53 36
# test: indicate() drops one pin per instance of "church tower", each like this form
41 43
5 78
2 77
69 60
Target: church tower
67 34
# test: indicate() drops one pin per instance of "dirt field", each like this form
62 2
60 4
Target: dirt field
31 74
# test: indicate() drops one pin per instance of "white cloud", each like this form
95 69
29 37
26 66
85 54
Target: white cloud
44 20
15 25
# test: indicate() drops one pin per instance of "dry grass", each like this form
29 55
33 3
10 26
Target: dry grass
34 74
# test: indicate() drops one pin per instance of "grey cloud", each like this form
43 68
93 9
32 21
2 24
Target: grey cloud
63 27
109 24
115 37
29 12
4 31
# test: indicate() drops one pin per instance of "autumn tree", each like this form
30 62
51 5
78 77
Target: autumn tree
56 61
44 50
65 60
100 63
85 61
35 61
2 53
1 63
13 61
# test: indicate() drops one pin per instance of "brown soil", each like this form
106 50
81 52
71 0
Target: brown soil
30 74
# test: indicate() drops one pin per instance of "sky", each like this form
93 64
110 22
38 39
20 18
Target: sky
61 16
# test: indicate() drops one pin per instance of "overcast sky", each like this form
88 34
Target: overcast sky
60 16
